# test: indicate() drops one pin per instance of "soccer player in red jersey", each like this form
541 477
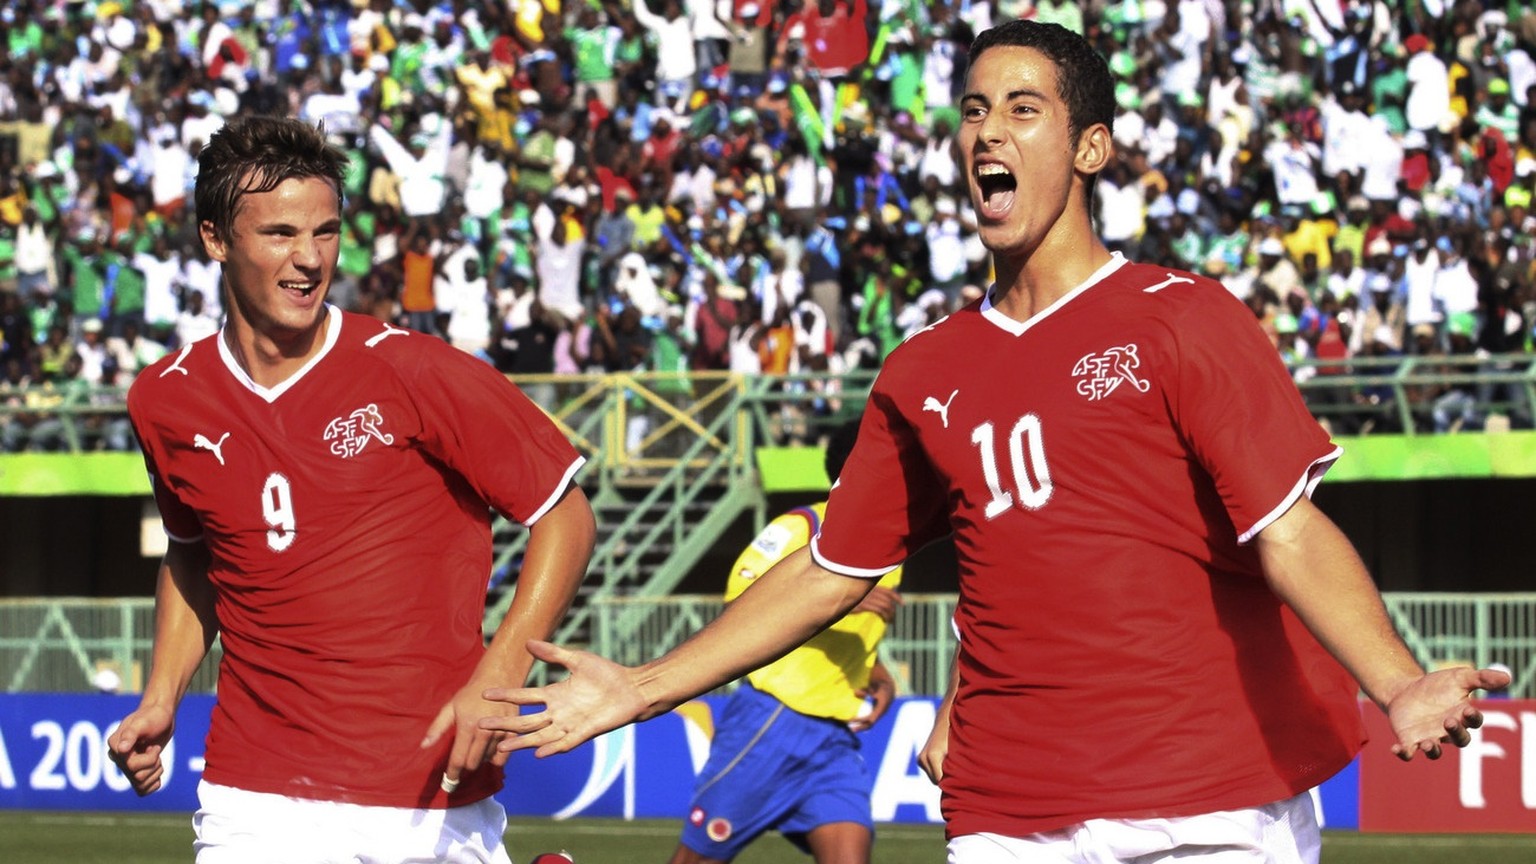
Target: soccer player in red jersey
1161 637
327 482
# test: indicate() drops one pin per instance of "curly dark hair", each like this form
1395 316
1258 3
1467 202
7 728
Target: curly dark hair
1083 79
254 154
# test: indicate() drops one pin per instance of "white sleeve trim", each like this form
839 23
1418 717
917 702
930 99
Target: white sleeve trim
1304 486
843 569
183 540
565 483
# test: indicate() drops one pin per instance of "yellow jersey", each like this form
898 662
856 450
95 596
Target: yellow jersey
822 677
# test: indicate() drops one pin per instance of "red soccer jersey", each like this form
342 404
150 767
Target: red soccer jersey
1101 467
348 514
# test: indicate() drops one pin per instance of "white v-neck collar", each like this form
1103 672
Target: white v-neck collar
270 394
1017 328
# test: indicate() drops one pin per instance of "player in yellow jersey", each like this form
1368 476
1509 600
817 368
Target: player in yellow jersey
785 756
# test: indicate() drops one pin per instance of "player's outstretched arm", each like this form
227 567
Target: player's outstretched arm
185 624
559 549
1312 566
786 606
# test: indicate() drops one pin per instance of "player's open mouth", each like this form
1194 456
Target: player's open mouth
303 288
997 187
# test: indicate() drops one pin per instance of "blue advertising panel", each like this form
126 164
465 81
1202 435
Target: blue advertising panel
53 754
53 757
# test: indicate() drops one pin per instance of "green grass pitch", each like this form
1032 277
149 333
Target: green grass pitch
118 838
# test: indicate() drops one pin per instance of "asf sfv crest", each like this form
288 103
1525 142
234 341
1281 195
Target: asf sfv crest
1099 374
350 434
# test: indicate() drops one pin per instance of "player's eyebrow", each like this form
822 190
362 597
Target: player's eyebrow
1020 93
280 225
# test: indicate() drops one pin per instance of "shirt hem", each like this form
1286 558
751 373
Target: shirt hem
439 800
962 824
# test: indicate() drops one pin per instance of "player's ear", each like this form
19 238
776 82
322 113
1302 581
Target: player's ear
1095 147
218 250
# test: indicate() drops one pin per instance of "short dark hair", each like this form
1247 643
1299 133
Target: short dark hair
255 154
1083 80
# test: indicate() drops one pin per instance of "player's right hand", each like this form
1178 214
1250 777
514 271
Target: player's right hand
137 743
598 696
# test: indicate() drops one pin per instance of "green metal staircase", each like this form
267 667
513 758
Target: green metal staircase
661 495
670 468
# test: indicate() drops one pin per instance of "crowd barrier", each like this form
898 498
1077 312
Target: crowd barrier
1355 395
66 645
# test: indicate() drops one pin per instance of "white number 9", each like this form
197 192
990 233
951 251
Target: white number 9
277 507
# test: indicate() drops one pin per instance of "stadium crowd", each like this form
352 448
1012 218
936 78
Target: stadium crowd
757 187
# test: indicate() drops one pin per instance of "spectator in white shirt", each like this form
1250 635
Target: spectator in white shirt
946 250
1345 279
132 351
1122 207
463 294
360 75
333 105
485 186
1455 286
169 163
558 264
203 274
421 166
92 350
1346 133
1429 88
710 33
1420 270
161 266
195 322
938 156
676 62
34 258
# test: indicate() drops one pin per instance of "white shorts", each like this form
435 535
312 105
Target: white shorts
234 826
1285 832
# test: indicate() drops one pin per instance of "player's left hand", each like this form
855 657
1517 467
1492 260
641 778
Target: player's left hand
473 744
880 600
597 696
1437 709
881 692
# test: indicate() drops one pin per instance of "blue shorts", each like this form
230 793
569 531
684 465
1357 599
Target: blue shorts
771 769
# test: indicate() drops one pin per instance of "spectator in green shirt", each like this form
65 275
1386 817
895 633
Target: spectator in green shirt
122 285
594 48
83 274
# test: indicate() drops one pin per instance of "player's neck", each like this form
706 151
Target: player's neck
1028 283
272 358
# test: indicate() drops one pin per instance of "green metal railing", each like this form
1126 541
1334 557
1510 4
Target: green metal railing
1394 392
59 645
1398 393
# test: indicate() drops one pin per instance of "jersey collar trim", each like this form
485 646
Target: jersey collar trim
270 394
1017 328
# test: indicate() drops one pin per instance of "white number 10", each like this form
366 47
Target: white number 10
1031 476
277 507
